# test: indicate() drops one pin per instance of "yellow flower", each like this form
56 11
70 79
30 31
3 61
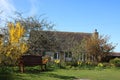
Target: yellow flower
8 53
79 62
100 65
16 32
57 61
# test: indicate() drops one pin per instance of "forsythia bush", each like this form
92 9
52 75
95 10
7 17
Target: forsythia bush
15 32
15 47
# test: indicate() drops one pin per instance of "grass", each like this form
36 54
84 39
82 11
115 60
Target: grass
65 74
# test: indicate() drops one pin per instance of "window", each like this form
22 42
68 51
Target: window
68 54
56 56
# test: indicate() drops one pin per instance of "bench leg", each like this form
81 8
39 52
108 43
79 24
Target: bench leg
21 68
43 67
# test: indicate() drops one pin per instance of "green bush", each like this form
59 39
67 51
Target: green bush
108 65
6 70
6 73
116 62
86 65
53 65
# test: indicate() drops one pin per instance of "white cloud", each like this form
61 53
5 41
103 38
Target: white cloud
7 8
34 7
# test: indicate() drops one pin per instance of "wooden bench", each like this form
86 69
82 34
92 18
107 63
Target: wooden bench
32 60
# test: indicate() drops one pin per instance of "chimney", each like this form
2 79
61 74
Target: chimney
96 34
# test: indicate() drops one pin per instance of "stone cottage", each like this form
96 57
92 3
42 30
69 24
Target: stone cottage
56 44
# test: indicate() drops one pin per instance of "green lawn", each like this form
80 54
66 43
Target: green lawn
64 74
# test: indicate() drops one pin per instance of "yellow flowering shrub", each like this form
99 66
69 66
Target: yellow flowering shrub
15 32
15 47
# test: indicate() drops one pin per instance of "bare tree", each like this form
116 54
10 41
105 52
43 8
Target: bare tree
31 24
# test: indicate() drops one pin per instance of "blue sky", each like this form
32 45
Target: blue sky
72 15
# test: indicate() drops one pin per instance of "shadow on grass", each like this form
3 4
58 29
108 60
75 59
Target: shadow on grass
6 77
37 71
62 76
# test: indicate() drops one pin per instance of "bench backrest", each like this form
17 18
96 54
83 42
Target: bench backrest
31 60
